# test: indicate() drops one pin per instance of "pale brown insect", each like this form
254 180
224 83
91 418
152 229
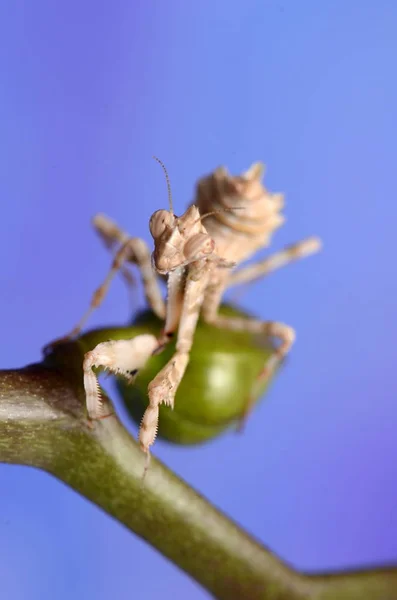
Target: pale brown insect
240 218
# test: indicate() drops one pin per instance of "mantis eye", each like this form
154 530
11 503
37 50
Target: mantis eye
159 221
199 246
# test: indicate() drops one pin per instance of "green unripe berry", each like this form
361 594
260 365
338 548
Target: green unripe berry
220 377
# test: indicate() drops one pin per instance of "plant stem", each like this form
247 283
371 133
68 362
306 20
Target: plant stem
43 424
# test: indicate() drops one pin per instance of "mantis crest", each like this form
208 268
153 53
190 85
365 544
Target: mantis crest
231 218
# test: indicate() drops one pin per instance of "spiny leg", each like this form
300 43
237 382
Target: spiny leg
163 387
112 236
280 259
134 250
109 231
268 329
121 357
175 298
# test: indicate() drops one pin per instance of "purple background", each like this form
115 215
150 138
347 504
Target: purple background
88 92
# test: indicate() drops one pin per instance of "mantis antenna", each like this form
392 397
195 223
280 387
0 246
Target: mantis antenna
216 212
168 183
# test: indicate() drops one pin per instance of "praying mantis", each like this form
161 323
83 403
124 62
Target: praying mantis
231 218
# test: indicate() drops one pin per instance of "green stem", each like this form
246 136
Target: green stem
43 424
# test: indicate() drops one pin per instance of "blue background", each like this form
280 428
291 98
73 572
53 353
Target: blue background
88 92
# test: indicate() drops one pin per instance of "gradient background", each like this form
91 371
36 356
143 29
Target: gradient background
88 92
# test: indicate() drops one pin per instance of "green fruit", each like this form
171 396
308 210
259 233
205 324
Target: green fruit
220 377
